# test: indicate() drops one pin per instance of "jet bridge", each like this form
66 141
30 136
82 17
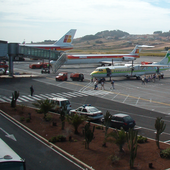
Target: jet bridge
31 52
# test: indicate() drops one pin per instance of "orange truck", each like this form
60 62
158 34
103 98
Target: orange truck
77 76
62 76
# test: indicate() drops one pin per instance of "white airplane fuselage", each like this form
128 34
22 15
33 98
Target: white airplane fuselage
125 71
49 47
98 59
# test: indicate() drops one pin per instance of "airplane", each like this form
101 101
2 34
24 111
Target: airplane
104 58
63 44
130 70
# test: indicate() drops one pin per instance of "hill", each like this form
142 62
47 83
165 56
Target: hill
117 41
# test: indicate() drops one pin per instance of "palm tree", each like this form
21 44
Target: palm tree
119 138
88 134
76 120
44 106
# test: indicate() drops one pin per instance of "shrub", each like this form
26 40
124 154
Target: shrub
114 158
165 153
61 138
48 117
99 127
39 111
53 139
141 139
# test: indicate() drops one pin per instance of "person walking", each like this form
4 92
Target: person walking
96 85
102 85
159 77
154 77
112 85
143 80
31 90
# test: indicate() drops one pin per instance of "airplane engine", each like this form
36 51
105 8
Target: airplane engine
128 58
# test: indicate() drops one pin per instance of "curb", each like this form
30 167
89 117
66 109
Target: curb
19 76
71 157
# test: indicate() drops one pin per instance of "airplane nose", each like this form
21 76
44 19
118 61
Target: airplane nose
91 73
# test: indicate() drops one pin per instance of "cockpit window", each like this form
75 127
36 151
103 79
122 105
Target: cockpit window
99 69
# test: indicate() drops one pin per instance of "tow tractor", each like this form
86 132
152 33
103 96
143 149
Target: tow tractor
45 70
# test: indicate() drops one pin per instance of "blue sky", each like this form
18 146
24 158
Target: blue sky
38 20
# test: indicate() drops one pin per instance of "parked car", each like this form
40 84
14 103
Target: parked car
62 76
77 76
87 110
121 120
45 70
59 102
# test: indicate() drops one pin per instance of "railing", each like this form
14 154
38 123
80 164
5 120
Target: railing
57 64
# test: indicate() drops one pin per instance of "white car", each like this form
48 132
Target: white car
59 103
87 110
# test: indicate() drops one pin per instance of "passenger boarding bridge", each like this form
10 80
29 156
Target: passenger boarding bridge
13 50
37 53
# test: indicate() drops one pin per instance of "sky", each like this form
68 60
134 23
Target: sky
39 20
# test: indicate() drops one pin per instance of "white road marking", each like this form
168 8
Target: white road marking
28 98
125 98
137 100
115 96
5 98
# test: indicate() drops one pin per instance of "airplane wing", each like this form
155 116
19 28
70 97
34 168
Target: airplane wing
154 65
124 59
145 46
109 62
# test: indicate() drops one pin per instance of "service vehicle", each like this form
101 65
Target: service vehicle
59 103
3 65
45 70
38 65
77 76
9 158
62 76
87 110
121 120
